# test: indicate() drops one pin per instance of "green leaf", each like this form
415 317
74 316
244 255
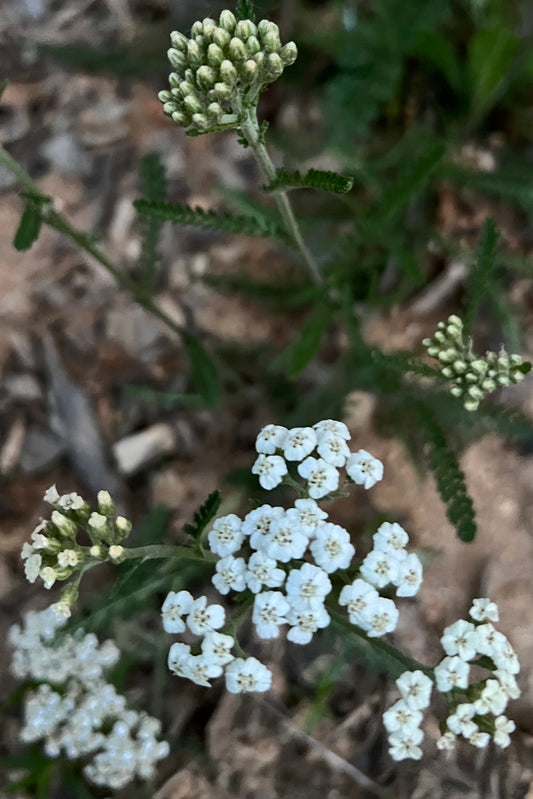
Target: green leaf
489 59
28 229
203 515
210 220
313 179
301 351
153 189
203 370
480 273
438 50
245 10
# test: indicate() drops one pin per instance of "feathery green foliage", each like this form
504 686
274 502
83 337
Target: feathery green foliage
305 346
210 220
449 476
153 189
205 513
312 179
480 274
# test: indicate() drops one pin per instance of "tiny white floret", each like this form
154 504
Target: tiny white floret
364 469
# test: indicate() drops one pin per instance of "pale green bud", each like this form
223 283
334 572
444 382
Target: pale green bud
165 96
453 332
186 88
180 118
274 65
175 79
200 121
227 21
471 377
456 391
266 26
179 41
201 42
440 337
237 50
123 526
209 26
214 110
192 104
447 372
196 29
96 551
479 366
220 92
116 553
195 55
249 70
516 360
221 37
460 367
252 45
228 73
206 77
447 356
488 385
105 503
471 405
215 56
503 380
475 393
169 108
289 53
189 75
516 375
69 595
433 351
176 58
176 94
64 525
455 320
62 573
245 28
259 58
503 362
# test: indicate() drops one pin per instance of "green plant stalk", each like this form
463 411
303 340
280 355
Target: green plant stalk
158 551
58 222
251 131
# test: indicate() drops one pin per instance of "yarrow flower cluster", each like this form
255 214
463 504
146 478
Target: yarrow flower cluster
54 553
222 67
75 711
472 377
475 710
285 559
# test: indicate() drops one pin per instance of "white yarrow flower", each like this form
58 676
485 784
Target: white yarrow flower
246 675
178 658
270 611
360 598
204 618
508 683
322 478
286 539
479 739
299 443
200 669
176 605
364 469
404 744
32 567
331 548
450 673
502 728
461 722
305 622
51 495
506 659
331 426
390 536
216 647
307 587
400 717
484 610
447 742
230 575
489 640
256 524
382 618
263 570
333 449
226 535
310 515
415 688
271 438
380 568
271 469
460 639
493 699
48 575
409 577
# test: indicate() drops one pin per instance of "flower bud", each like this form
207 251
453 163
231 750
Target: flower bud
200 121
456 391
174 80
186 88
221 37
516 360
192 104
197 29
516 375
97 551
123 526
471 377
289 53
220 92
459 367
479 366
179 41
455 320
488 385
180 118
447 372
169 108
195 55
65 526
116 552
189 75
214 110
252 45
433 351
244 29
503 362
165 96
48 576
259 58
439 337
475 393
228 73
206 77
215 56
471 405
227 21
503 380
209 26
447 356
249 70
274 65
237 50
176 58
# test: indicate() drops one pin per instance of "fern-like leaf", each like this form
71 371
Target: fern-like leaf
210 220
480 273
313 179
153 189
203 515
449 476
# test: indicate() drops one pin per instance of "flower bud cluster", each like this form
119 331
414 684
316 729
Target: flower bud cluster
475 710
285 560
54 552
76 712
220 68
472 377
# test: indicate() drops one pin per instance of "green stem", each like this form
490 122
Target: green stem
165 551
252 133
58 222
407 663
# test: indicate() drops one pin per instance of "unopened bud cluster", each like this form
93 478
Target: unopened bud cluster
54 552
475 709
472 377
75 711
221 68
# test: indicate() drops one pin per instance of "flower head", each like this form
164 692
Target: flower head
246 675
322 478
364 469
176 605
270 469
332 548
226 535
204 618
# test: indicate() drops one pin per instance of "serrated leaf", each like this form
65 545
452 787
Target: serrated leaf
301 351
313 179
203 370
480 273
490 55
28 229
203 515
210 220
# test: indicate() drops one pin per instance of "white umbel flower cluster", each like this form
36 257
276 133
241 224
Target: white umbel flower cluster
54 553
475 710
222 66
214 658
76 712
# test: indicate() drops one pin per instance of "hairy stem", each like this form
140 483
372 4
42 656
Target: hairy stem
251 132
166 551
